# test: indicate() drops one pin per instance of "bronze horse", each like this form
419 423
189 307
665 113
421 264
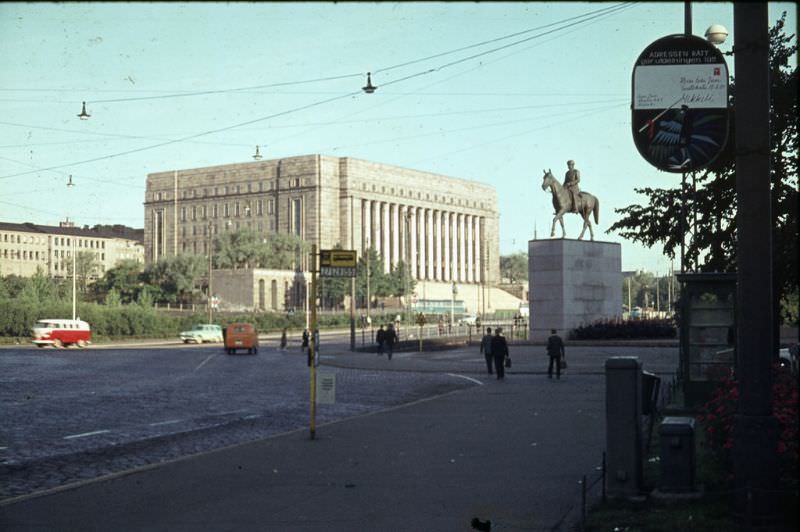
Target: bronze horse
562 203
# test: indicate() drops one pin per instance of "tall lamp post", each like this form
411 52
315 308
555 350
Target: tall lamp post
70 184
453 305
210 267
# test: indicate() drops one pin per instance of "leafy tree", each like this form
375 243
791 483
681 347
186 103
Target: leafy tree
402 283
12 285
176 277
125 278
39 288
248 249
283 251
514 267
86 268
712 246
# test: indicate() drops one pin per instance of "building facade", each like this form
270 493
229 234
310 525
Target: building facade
27 248
445 228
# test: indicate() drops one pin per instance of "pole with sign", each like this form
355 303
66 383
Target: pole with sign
312 344
680 103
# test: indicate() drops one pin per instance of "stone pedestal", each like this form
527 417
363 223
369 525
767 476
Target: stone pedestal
572 283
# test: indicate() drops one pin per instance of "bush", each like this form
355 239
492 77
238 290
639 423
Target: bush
619 329
719 414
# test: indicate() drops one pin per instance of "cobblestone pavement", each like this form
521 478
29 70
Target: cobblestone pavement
72 414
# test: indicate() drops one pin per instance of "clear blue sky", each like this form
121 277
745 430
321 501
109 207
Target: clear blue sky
499 118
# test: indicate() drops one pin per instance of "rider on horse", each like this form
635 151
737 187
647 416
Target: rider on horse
571 180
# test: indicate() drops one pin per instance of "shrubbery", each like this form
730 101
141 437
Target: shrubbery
719 415
619 329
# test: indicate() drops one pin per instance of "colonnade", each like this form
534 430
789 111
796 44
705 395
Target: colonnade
438 245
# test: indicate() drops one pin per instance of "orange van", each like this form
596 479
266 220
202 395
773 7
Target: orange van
241 336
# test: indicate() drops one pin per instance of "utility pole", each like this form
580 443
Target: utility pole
210 266
312 343
755 462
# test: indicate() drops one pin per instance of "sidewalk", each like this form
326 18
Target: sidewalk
512 451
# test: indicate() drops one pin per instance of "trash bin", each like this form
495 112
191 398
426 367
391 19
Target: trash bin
677 455
651 384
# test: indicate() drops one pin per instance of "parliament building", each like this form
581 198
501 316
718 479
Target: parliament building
445 228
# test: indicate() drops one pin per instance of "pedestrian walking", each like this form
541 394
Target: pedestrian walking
304 346
389 339
486 348
380 338
284 340
499 352
555 351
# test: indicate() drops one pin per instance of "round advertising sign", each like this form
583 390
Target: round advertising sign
680 103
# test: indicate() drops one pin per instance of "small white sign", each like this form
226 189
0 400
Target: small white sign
326 388
668 86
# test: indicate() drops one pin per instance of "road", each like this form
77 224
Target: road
74 414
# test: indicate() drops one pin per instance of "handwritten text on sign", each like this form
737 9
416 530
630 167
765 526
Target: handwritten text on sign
665 86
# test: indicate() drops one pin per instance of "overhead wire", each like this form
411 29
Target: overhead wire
606 11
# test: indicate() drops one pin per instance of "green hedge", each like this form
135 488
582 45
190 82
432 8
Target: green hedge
17 316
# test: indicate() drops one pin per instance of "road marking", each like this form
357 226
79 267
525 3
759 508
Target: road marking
203 363
85 434
252 416
230 412
476 381
170 422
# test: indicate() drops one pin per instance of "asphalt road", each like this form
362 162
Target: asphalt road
75 414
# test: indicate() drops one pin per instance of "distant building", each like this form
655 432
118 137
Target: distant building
27 248
445 228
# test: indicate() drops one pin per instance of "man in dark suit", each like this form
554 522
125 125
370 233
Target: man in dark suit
499 352
555 350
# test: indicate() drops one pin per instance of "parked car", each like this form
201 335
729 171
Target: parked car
468 319
204 332
61 333
241 336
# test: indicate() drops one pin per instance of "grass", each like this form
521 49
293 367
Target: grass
711 513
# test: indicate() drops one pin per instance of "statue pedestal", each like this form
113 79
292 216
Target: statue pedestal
572 283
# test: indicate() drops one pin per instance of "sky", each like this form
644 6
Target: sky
187 85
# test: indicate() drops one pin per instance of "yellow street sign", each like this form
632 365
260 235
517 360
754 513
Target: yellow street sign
337 258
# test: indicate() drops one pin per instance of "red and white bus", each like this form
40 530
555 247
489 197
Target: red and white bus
61 333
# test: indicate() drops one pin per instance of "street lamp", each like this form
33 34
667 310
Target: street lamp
83 114
210 268
453 305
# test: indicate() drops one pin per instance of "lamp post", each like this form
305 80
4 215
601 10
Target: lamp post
210 267
453 305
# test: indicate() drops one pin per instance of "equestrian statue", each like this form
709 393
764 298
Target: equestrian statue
569 198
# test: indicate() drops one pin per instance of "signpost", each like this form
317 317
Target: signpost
337 263
680 103
332 263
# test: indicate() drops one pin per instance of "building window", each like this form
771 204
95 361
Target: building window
203 212
271 207
226 211
259 207
183 214
249 187
194 212
296 214
214 211
158 196
236 209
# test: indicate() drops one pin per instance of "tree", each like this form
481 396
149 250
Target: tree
175 277
86 268
514 267
247 249
712 246
125 278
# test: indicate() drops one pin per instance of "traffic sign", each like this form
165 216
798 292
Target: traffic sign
680 103
337 263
